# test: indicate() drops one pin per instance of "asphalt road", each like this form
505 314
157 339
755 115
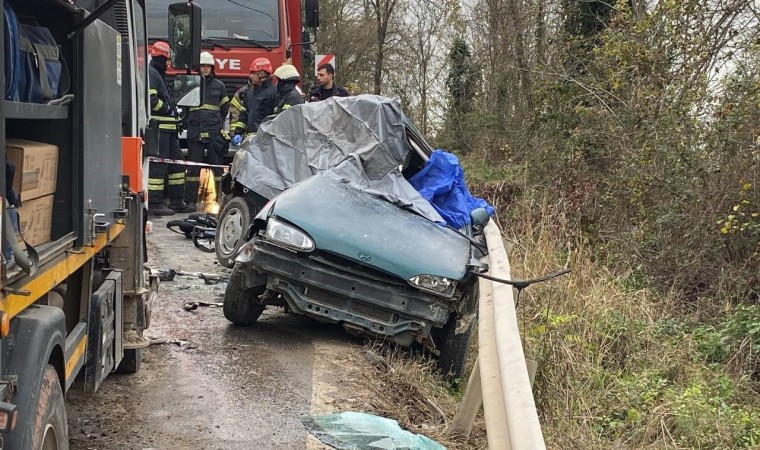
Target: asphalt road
206 384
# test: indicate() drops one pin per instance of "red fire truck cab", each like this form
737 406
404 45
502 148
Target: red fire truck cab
238 31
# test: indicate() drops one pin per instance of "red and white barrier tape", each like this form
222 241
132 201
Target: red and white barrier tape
183 162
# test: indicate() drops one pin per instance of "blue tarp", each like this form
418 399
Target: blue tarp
441 182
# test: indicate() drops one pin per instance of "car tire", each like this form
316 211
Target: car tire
454 349
239 301
232 226
50 428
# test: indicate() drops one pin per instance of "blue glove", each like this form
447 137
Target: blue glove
237 140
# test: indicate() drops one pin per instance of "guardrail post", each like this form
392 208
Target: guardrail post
473 399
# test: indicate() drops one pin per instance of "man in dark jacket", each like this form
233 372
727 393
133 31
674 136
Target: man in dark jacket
164 110
205 129
326 86
287 94
258 102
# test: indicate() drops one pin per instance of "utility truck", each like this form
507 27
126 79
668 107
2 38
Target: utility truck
75 295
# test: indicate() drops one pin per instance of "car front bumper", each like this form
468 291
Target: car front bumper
323 290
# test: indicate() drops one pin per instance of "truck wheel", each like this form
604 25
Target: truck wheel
230 231
50 428
131 361
239 301
454 349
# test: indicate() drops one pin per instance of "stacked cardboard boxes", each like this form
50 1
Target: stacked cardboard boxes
35 181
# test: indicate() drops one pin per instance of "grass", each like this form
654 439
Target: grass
621 366
408 389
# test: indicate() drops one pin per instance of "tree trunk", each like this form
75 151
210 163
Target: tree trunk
378 75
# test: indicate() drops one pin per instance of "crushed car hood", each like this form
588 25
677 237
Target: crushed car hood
364 228
360 139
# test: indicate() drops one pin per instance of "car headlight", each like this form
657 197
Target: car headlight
288 236
434 284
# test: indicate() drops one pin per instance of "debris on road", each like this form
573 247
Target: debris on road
213 279
192 306
183 344
167 275
353 430
208 279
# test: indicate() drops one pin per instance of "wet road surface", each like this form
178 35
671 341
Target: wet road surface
206 384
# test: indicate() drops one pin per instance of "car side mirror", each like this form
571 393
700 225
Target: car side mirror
185 35
306 46
187 90
479 217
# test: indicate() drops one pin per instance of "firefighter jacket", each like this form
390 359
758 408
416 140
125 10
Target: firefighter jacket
237 104
162 106
287 97
259 103
205 122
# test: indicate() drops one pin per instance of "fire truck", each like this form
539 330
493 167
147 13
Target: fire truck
75 295
238 31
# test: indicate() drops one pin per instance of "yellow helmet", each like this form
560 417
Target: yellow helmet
287 72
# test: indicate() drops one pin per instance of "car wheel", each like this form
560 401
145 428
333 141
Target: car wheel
454 349
230 231
50 428
239 301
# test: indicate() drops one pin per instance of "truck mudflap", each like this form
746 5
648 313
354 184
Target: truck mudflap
36 339
105 347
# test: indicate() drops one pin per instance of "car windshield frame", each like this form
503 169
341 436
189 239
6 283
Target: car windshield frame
416 139
232 22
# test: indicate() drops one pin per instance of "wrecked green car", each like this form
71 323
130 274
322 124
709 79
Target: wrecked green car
350 242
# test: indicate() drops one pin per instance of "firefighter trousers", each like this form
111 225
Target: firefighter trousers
168 147
195 151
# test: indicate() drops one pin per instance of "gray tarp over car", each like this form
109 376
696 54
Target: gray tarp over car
360 140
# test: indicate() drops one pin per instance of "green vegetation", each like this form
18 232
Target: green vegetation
637 166
624 365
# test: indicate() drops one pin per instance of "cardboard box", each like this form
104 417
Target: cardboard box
36 167
36 219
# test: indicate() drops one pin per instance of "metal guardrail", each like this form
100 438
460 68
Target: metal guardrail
500 380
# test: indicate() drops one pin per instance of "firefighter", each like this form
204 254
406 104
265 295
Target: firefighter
205 132
164 111
238 99
326 86
258 103
287 94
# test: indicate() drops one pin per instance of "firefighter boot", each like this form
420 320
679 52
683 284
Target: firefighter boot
179 206
159 210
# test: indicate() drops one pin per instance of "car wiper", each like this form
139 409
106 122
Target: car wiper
480 245
213 41
248 41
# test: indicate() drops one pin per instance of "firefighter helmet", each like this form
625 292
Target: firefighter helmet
160 48
287 72
207 59
260 64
